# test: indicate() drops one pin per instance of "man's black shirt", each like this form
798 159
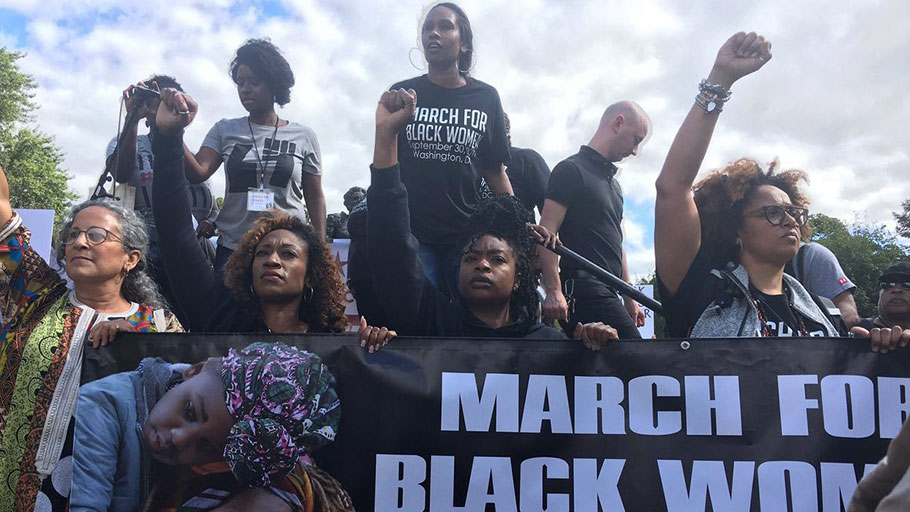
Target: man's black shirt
529 173
584 183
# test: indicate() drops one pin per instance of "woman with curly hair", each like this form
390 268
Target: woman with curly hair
721 252
269 162
496 293
282 278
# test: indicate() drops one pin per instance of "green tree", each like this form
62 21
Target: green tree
863 251
31 160
903 219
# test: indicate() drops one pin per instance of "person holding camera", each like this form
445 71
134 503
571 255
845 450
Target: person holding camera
130 161
269 162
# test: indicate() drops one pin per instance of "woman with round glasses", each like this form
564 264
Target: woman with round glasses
721 251
102 247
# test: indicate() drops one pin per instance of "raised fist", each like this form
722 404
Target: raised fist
396 109
176 111
740 55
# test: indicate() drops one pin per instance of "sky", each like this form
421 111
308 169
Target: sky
833 100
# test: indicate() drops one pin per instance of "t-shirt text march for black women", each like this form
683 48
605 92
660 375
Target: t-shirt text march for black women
607 406
446 134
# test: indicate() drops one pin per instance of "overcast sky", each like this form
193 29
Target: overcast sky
833 101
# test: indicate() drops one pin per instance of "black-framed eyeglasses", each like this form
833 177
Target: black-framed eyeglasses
775 213
888 286
94 236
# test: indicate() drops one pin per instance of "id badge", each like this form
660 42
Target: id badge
259 200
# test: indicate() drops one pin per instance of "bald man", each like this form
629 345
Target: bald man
584 205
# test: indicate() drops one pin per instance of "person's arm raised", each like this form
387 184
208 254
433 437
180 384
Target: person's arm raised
677 230
191 276
395 109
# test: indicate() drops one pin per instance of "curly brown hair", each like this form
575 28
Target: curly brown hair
722 195
325 311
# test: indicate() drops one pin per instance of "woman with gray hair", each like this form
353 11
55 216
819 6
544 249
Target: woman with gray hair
102 246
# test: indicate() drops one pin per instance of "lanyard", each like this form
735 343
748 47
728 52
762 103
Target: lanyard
261 167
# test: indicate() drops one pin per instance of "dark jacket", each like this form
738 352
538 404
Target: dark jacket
206 303
415 307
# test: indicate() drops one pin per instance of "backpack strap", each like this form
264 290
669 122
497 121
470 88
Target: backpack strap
831 312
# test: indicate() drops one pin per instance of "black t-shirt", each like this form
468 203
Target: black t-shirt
781 318
528 172
455 134
585 184
699 288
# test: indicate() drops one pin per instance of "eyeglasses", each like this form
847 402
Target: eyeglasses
93 235
775 213
888 286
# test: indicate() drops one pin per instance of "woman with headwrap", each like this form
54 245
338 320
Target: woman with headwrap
247 422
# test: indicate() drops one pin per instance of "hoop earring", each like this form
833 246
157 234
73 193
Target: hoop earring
739 244
411 59
308 294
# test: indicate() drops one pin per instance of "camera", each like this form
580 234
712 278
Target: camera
144 93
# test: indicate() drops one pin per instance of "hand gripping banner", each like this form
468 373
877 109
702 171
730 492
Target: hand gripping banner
446 425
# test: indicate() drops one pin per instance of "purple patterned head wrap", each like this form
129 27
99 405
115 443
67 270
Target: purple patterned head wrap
284 401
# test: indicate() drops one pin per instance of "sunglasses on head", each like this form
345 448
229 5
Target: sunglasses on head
776 213
888 286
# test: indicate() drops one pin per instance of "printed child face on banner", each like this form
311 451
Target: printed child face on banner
190 423
762 240
280 265
440 36
254 93
487 271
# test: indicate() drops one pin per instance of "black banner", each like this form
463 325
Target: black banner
508 425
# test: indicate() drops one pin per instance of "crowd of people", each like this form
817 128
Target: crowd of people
443 243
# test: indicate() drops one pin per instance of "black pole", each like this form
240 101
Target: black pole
599 272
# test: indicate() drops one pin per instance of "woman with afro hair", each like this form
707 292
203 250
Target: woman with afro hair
282 278
269 161
496 293
721 251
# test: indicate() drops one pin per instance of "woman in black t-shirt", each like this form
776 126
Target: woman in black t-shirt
457 133
721 252
496 294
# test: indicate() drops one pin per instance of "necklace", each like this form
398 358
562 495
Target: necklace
261 167
763 319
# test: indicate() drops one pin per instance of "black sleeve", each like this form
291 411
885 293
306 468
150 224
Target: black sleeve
565 184
698 289
493 150
189 273
537 175
409 299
